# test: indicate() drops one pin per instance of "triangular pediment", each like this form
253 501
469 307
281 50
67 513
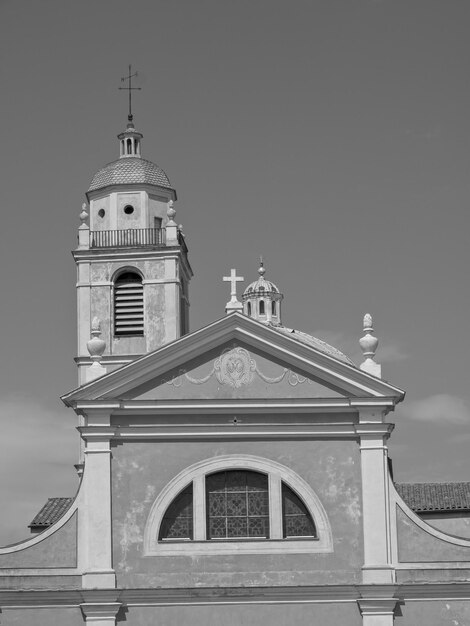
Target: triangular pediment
233 370
235 357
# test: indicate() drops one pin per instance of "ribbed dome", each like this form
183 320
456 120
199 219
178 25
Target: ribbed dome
260 285
130 170
315 343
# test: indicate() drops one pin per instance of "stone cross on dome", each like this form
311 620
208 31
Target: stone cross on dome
233 304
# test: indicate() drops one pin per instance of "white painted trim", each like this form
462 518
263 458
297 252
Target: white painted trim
432 565
40 571
152 547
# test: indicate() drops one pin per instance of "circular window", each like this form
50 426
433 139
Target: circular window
128 210
101 212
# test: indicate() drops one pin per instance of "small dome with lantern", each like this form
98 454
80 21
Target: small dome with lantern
262 299
130 168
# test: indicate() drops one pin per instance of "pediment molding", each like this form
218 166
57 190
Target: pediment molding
237 329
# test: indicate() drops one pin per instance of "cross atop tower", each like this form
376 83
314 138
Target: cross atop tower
130 88
233 304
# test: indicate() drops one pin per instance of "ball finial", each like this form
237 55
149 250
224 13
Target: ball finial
261 269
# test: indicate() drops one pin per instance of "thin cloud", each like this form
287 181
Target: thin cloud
441 408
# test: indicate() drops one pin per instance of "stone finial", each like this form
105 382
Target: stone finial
84 230
171 212
84 214
261 270
369 345
96 346
233 304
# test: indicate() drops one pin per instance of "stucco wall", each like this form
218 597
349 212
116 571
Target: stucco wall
457 524
35 616
248 615
141 470
417 545
438 613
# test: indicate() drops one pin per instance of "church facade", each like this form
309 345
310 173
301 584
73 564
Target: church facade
238 474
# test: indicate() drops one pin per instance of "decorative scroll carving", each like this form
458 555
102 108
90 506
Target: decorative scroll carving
236 368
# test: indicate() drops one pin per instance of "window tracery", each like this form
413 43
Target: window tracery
237 504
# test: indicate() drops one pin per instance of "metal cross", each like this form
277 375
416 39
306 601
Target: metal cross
130 88
233 279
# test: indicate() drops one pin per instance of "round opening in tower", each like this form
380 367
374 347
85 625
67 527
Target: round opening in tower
101 213
129 209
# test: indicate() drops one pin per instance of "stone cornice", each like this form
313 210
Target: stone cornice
313 405
381 597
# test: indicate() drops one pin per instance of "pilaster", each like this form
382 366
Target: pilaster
374 433
96 516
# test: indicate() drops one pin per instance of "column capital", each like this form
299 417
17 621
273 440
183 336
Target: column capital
378 607
100 612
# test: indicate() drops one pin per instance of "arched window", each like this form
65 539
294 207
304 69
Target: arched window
273 307
248 308
261 307
128 305
177 522
251 506
237 505
296 520
129 146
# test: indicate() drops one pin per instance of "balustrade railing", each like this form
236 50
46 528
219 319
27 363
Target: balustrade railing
127 238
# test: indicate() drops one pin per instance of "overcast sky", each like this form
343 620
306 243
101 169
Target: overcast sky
331 136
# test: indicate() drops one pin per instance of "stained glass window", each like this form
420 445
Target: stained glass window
296 520
237 505
177 522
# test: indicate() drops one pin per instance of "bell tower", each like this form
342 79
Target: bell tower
132 260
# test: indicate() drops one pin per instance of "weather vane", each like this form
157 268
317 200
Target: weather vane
130 88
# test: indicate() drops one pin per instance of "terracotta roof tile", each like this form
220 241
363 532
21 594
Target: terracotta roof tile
422 497
130 170
51 511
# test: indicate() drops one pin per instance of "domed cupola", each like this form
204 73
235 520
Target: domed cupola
131 168
262 299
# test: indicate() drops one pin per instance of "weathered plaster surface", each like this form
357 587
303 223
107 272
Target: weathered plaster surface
437 613
141 470
135 219
158 206
248 615
268 379
40 582
96 221
445 575
153 269
100 305
457 524
155 305
35 616
416 545
57 550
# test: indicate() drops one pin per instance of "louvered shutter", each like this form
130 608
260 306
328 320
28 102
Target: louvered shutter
128 305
